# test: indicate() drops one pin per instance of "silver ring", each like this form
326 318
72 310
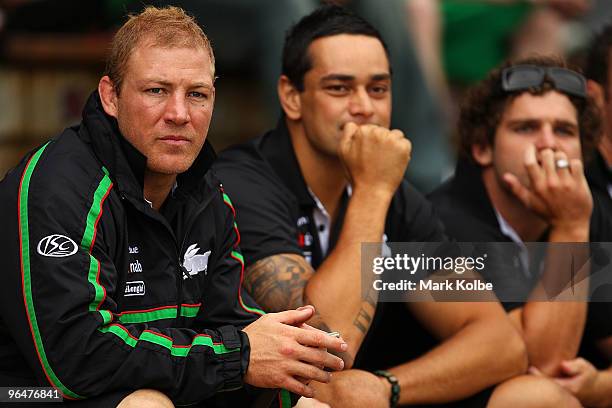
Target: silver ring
562 164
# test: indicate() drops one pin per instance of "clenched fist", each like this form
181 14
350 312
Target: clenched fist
375 158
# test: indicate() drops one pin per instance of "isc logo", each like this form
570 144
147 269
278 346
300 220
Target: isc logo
56 246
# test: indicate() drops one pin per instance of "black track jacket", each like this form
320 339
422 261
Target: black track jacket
99 292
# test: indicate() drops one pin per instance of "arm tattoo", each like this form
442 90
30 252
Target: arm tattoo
277 282
366 312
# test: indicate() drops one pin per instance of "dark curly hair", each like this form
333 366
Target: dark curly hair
486 102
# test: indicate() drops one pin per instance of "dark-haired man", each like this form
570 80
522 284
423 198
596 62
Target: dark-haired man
523 132
328 178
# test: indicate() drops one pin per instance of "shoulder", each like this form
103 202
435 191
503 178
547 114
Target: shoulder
55 189
411 217
463 220
61 169
248 178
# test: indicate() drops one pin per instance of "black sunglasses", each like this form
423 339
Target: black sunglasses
523 77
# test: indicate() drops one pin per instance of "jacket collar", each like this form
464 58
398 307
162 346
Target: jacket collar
278 150
124 162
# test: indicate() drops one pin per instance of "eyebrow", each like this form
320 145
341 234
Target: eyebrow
533 120
169 84
344 77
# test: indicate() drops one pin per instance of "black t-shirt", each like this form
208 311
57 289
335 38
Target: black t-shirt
274 211
468 216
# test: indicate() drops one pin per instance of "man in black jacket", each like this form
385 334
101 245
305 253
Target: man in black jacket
122 270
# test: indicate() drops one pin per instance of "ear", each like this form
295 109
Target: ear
289 98
483 155
596 91
108 96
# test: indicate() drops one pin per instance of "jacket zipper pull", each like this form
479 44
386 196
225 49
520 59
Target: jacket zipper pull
186 274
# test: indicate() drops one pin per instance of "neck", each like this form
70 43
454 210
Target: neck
525 222
157 186
605 148
324 174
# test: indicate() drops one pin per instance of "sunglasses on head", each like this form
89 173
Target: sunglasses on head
523 77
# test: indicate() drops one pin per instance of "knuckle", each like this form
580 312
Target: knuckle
554 185
316 374
287 349
318 339
320 358
285 383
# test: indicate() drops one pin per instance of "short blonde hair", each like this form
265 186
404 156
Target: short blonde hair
162 27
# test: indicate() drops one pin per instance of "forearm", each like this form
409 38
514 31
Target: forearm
601 393
335 290
552 332
463 365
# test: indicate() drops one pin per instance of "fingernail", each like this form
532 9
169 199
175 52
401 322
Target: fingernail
341 365
344 347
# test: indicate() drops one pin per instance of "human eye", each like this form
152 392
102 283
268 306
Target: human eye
379 90
524 127
155 91
337 89
566 130
198 95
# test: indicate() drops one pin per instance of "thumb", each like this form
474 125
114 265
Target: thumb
349 131
295 317
570 367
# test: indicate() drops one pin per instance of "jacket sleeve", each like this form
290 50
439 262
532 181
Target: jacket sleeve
67 282
232 304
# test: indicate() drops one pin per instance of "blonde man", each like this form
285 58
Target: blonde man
122 277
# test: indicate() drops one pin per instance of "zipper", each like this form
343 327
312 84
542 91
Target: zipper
190 223
179 249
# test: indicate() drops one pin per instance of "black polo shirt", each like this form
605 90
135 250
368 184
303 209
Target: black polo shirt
468 216
275 214
275 206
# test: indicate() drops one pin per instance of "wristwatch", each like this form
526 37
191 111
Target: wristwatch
395 387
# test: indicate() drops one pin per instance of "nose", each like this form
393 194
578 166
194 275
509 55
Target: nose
360 103
177 111
546 138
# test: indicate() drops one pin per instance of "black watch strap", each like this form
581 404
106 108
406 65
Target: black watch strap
395 387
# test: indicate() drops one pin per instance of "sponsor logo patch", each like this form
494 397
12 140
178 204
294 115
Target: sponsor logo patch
134 288
135 267
56 246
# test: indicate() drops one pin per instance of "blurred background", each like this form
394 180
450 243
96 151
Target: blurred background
52 55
